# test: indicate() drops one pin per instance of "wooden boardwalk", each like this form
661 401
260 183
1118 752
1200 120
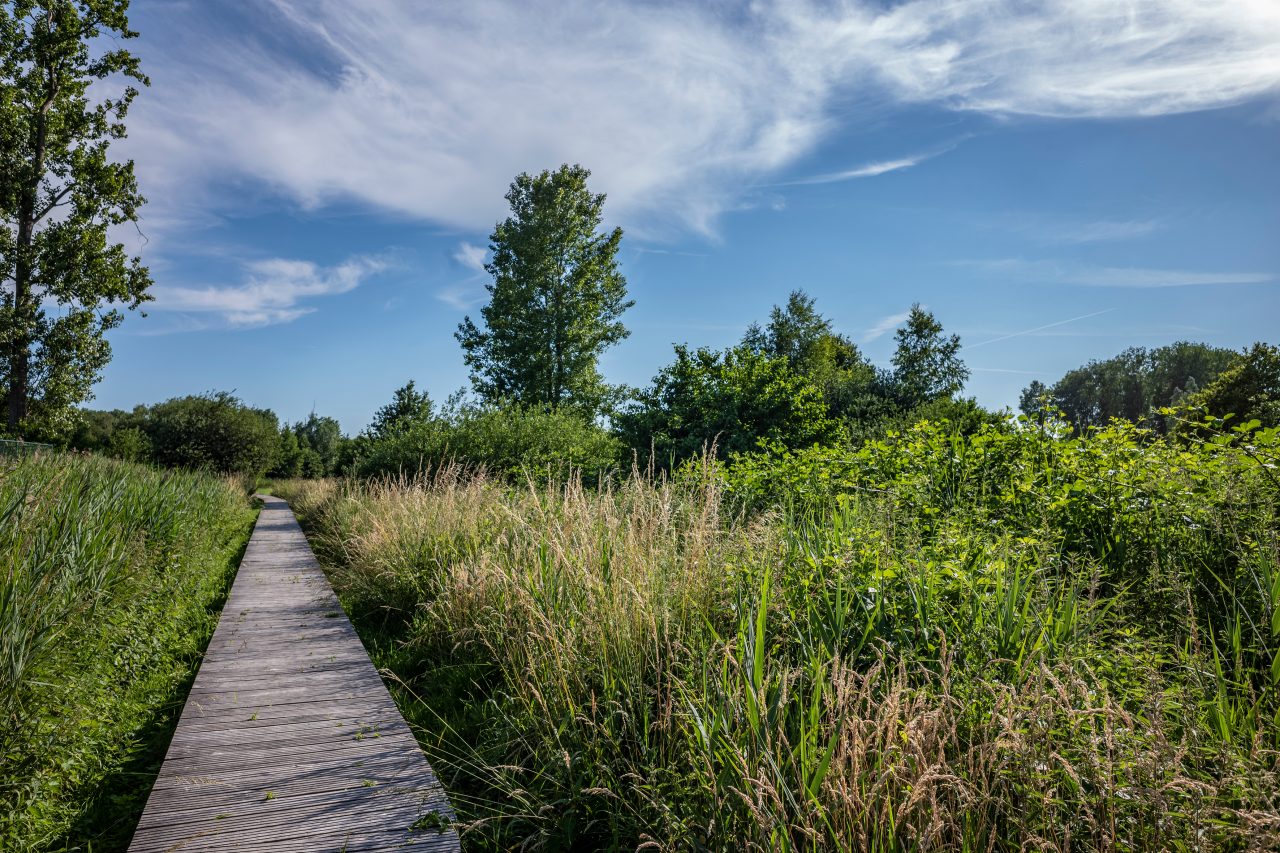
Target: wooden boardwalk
289 740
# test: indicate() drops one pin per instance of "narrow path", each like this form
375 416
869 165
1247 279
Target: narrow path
289 740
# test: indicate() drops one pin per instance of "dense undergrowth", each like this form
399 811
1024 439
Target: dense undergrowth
1007 641
110 579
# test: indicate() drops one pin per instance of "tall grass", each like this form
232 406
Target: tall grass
108 573
1001 642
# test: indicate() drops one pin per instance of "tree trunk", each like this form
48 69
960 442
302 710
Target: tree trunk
20 345
23 307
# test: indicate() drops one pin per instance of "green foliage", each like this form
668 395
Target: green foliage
999 641
109 576
732 400
322 437
927 365
815 350
513 441
214 431
408 407
61 192
1248 388
555 301
1129 386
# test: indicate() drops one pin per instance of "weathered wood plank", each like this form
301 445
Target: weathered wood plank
289 740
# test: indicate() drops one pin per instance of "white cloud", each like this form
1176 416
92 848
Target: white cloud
274 291
471 257
463 295
885 325
1059 272
870 170
429 109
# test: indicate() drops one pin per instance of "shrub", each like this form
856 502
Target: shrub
1000 641
510 441
731 401
214 431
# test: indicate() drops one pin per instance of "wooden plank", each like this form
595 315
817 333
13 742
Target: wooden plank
289 740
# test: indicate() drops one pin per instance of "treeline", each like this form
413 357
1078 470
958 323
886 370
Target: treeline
1138 383
539 403
217 432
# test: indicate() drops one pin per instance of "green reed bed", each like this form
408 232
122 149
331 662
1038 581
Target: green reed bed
111 575
1009 641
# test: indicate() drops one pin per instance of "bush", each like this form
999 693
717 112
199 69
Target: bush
732 401
109 578
999 641
511 441
214 431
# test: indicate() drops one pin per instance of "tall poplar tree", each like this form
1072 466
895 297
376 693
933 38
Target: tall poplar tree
555 300
61 275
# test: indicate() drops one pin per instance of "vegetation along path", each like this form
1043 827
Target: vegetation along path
289 740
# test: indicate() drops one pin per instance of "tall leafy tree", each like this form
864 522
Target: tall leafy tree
60 194
812 347
732 400
1249 388
408 406
556 298
927 364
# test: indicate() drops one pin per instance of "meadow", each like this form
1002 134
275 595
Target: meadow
111 578
1011 640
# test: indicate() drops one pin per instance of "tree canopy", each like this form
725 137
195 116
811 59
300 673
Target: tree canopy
215 431
60 194
812 347
733 400
556 298
407 407
1130 385
927 364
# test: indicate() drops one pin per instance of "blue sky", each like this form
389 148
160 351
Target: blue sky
1055 180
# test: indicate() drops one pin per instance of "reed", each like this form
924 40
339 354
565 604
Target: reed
110 575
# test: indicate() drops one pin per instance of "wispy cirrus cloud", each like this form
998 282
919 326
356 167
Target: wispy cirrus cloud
470 256
1102 230
676 107
1068 229
870 170
884 326
274 291
1065 272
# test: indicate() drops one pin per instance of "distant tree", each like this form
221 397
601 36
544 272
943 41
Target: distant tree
732 399
1034 400
129 443
555 300
407 407
214 431
321 436
95 430
288 458
1248 389
1175 371
806 339
927 365
1132 384
60 194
